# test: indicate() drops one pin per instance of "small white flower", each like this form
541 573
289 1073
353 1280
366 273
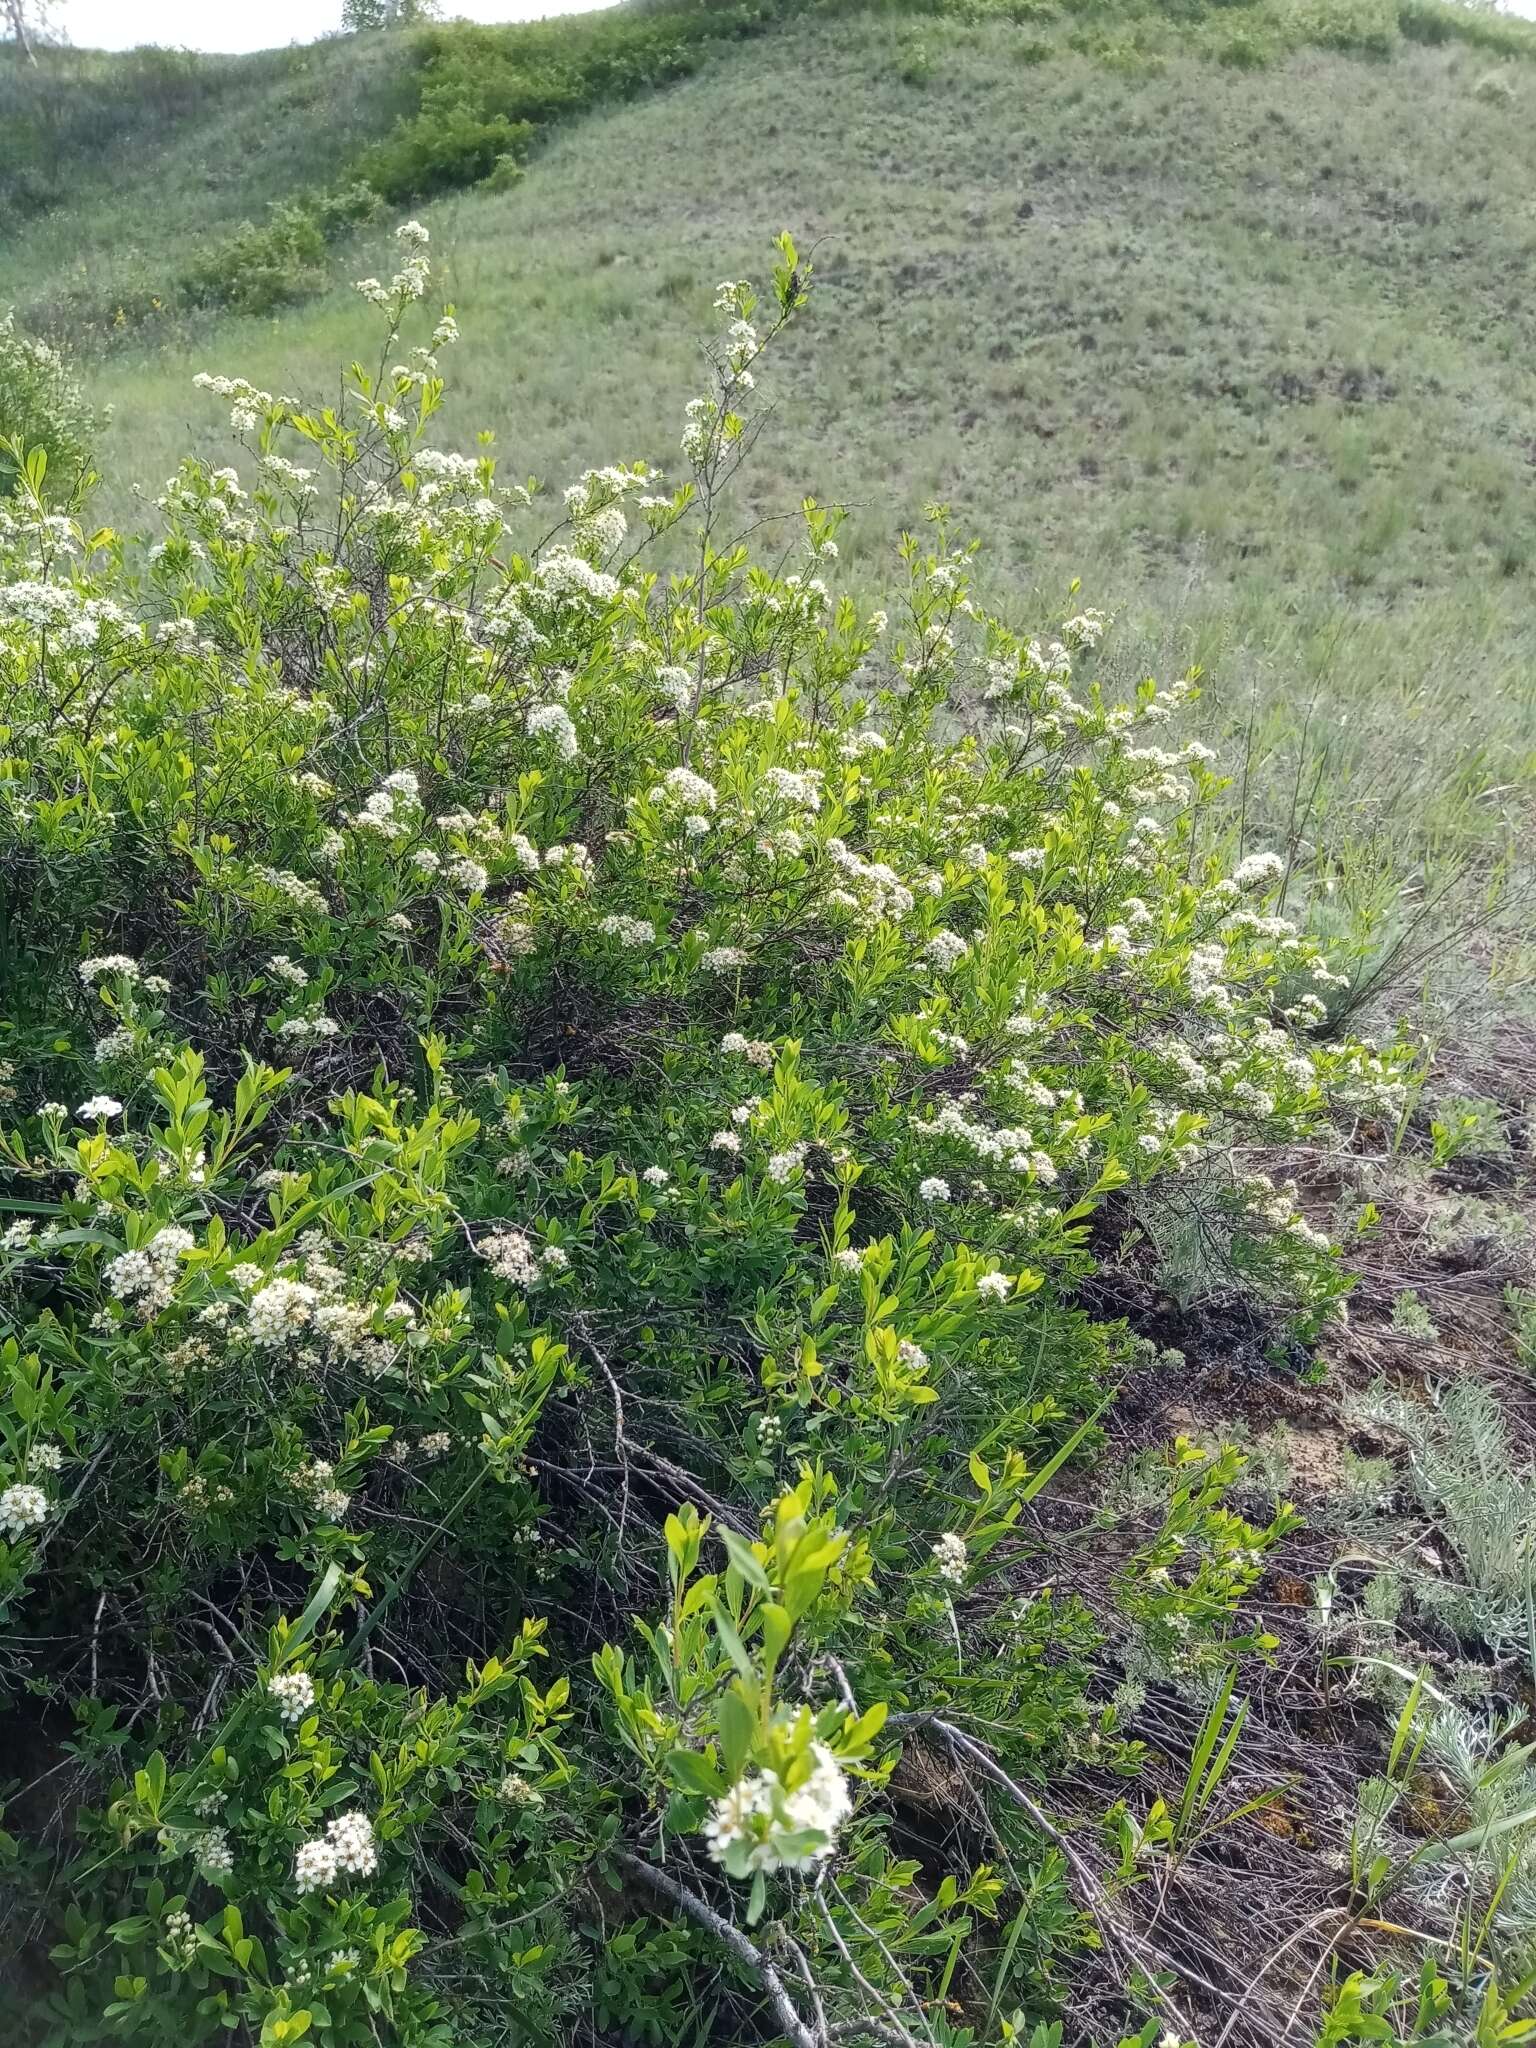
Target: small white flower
22 1508
294 1692
470 876
509 1254
351 1835
516 1791
215 1858
933 1189
554 720
347 1847
656 1176
99 1106
1257 869
721 959
314 1868
946 949
783 1164
280 1308
994 1286
949 1556
760 1826
108 963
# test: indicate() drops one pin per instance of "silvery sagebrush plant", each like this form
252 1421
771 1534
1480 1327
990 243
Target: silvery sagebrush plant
559 1083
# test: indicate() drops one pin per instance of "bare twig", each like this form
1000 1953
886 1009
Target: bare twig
745 1951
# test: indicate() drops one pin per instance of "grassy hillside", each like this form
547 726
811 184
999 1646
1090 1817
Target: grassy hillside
1249 349
116 171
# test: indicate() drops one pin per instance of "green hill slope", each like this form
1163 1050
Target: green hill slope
116 171
1249 346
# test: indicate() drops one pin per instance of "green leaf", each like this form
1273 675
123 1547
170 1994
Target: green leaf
737 1728
732 1644
777 1630
314 1608
743 1562
691 1772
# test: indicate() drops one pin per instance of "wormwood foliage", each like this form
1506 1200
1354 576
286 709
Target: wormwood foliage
555 1121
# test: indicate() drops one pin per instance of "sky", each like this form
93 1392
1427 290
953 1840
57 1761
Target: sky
194 24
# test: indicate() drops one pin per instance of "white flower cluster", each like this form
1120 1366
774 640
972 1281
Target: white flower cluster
214 1856
315 1480
874 887
347 1848
391 809
759 1825
554 720
510 1256
783 1164
249 405
946 949
757 1052
1258 869
800 791
180 1936
470 875
23 1508
315 1025
680 789
516 1791
91 971
294 1692
301 894
1086 630
410 280
629 931
949 1557
278 1310
73 620
565 576
147 1276
1012 1146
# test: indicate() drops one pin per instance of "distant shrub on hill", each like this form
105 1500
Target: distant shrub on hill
262 266
487 93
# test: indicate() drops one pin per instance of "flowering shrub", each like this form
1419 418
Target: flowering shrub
557 1116
42 410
